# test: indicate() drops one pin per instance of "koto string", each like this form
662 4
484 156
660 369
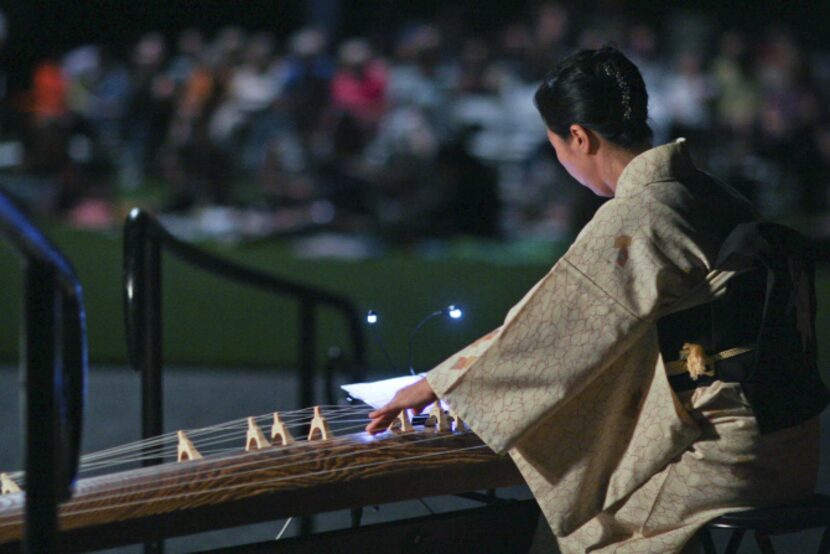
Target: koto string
299 415
166 445
288 417
171 450
236 436
299 443
160 439
70 509
152 447
235 432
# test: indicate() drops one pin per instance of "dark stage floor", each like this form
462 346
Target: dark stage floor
196 398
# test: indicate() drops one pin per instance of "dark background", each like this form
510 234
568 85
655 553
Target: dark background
41 28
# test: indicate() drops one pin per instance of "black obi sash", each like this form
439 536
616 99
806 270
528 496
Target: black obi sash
770 306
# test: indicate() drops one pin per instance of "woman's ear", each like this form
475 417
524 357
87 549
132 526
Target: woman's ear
584 139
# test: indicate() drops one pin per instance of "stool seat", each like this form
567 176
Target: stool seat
810 513
785 518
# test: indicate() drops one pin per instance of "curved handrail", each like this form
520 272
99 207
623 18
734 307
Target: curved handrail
141 226
33 245
56 362
144 240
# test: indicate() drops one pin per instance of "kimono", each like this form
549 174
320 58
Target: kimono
574 387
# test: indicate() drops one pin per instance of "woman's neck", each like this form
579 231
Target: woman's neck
615 160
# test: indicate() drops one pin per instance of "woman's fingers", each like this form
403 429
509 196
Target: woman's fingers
380 423
417 396
382 417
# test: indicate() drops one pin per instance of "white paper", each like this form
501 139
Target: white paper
379 393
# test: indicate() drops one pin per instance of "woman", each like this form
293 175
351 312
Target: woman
575 384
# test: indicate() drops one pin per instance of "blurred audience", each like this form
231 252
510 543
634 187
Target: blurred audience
427 132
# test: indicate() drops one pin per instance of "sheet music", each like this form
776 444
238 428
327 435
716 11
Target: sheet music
379 393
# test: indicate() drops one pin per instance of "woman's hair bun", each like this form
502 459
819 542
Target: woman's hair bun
599 89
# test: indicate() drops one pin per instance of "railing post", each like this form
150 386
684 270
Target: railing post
53 370
142 309
358 345
334 361
40 361
152 414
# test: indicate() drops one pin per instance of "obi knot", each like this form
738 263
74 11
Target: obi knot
697 363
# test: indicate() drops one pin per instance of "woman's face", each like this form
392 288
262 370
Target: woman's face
574 155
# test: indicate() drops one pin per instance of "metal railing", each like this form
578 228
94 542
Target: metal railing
54 365
144 241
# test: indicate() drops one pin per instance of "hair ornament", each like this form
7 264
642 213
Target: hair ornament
625 93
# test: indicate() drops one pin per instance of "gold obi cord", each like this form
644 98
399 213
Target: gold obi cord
693 359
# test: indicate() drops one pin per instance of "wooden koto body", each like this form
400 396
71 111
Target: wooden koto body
301 479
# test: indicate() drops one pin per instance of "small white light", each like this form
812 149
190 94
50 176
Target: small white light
371 317
454 312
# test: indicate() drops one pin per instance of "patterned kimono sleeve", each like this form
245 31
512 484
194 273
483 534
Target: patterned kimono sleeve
578 320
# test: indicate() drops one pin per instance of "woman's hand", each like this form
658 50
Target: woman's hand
416 396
